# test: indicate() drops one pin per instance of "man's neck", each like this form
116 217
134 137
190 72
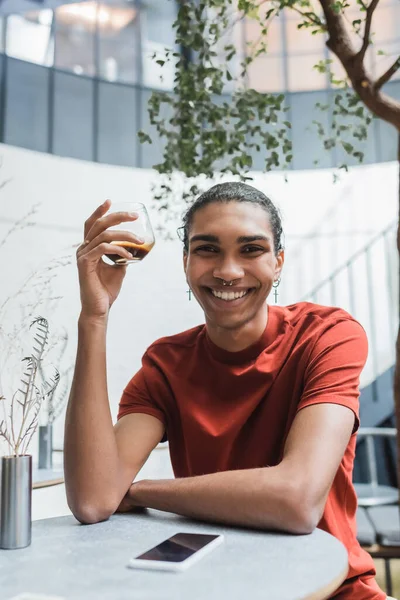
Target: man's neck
235 340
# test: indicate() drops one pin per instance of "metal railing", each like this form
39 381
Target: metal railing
366 286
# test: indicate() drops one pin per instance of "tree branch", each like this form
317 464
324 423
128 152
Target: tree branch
387 75
312 17
340 43
350 23
243 15
367 31
253 45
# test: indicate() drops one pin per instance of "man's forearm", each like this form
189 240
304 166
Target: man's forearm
90 449
260 498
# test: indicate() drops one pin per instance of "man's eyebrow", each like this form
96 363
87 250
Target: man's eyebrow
204 237
246 239
243 239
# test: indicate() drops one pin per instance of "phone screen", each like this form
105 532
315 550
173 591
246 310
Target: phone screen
178 547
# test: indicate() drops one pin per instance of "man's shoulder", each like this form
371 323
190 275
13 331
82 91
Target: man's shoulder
182 341
318 316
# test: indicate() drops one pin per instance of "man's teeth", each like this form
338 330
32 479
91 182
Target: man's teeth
229 295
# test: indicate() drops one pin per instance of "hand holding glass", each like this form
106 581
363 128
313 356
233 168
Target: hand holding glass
141 227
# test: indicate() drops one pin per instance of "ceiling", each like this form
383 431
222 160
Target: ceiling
21 6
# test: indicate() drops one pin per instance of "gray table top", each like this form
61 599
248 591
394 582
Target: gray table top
76 562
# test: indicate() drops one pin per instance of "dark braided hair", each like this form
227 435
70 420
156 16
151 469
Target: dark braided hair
233 191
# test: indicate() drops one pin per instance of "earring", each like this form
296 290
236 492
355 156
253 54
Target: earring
190 293
275 285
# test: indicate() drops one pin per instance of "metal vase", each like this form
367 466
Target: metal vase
45 446
16 502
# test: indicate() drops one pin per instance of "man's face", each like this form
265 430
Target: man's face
231 241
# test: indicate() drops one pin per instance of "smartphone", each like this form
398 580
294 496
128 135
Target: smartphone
177 553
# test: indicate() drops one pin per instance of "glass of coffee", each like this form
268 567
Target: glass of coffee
141 227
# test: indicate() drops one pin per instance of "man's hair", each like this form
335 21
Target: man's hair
233 191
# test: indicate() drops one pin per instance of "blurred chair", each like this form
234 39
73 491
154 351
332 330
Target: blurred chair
378 531
378 516
373 493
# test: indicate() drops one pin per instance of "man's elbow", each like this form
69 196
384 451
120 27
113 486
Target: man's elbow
90 513
299 510
303 522
90 516
306 514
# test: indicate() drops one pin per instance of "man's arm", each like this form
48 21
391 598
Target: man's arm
290 496
100 461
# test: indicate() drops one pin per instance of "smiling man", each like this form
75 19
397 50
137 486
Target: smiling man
232 274
259 405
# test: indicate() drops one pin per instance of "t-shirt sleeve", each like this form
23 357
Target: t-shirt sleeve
145 393
333 371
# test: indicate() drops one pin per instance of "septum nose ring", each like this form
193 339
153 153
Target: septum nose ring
227 282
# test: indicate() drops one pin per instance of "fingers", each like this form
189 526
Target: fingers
104 222
94 255
81 248
108 237
99 212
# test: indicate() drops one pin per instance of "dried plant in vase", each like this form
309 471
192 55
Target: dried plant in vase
18 427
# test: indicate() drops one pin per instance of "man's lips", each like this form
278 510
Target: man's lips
228 288
230 296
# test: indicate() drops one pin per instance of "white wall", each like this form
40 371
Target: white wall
154 302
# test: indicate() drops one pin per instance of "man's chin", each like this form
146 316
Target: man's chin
227 322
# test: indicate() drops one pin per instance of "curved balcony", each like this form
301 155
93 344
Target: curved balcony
75 79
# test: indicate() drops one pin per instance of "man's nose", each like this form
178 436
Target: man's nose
228 269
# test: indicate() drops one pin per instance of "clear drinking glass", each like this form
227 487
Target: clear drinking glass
141 227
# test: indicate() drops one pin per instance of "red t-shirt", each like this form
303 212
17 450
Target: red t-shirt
233 410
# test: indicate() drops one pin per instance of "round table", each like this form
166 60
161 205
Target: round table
89 562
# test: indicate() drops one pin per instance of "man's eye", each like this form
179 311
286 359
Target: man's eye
252 249
205 249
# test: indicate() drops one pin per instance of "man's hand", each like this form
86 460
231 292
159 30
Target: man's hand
99 282
129 503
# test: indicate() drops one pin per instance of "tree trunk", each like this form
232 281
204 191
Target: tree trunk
397 359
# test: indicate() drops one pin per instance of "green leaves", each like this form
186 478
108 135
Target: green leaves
211 122
339 6
204 130
349 148
144 137
350 120
323 66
